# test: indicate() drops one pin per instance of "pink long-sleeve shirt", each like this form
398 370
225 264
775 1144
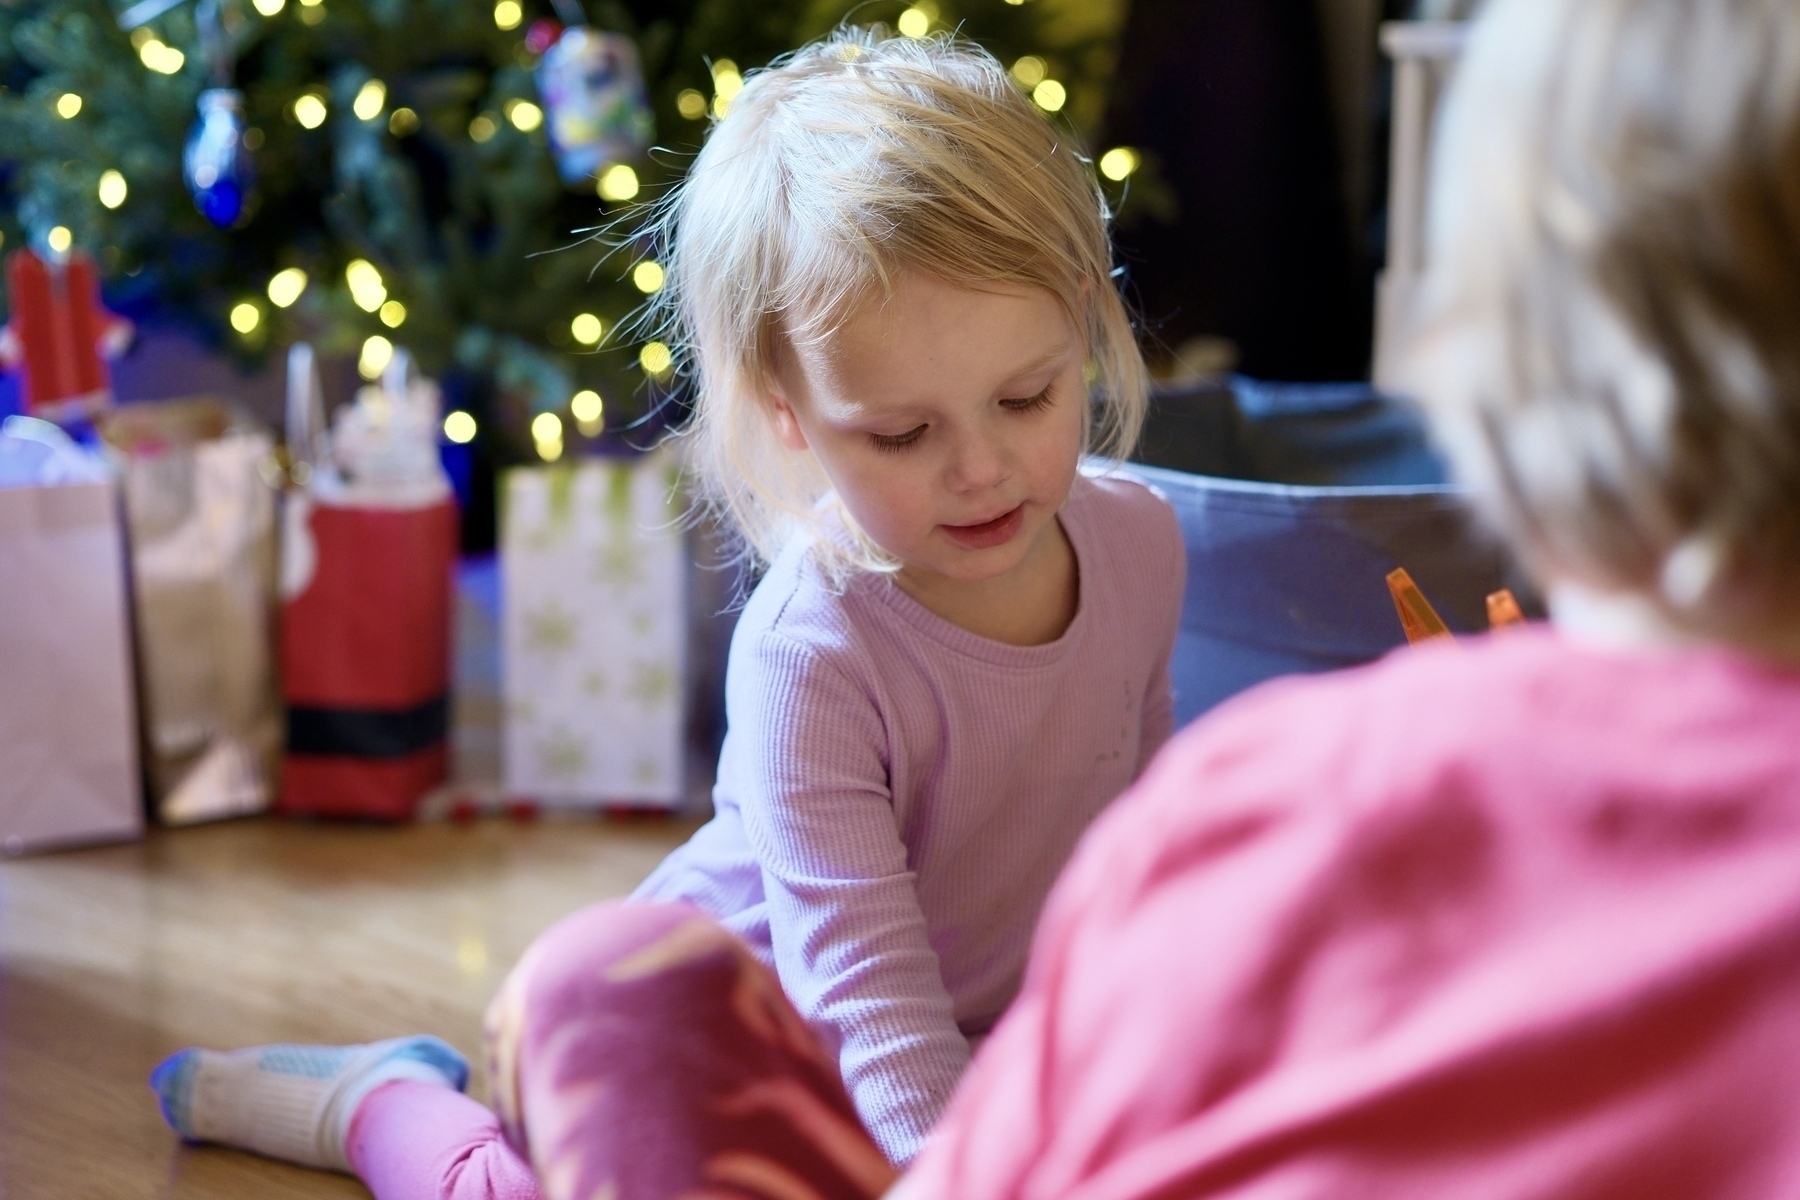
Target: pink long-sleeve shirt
1510 918
896 795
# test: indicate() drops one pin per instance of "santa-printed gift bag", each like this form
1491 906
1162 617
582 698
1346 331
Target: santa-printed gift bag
593 563
368 554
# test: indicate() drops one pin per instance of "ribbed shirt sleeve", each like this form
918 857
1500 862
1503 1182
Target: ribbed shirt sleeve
1169 552
848 936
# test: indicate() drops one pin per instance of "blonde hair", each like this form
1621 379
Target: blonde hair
840 167
1610 341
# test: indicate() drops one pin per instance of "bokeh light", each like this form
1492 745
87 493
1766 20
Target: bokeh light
286 285
459 427
377 353
618 182
113 189
245 317
587 329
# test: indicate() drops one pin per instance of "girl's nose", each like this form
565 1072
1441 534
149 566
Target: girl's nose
979 462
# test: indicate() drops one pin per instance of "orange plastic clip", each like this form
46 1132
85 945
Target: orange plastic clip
1503 610
1417 617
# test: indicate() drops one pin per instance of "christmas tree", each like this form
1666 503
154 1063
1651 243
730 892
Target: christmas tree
396 183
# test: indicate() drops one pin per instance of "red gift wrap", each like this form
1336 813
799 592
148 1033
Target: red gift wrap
365 660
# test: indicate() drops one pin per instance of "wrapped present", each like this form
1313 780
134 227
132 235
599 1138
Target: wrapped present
368 554
200 508
593 607
68 720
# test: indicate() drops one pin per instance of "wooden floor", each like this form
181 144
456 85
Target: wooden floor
257 931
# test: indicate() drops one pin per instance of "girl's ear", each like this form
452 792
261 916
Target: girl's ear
787 424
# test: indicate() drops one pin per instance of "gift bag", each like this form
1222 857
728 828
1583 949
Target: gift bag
68 719
200 508
593 566
1295 503
369 547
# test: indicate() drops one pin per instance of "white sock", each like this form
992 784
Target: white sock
292 1102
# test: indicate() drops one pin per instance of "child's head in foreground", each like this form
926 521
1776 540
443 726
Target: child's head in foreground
1611 346
891 280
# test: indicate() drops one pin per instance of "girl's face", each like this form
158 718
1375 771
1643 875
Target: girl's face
948 420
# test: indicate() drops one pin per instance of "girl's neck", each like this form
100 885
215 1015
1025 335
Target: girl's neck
1628 621
1031 605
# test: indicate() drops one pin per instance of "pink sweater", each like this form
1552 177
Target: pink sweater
896 795
1511 919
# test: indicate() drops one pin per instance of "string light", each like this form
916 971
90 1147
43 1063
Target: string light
377 352
269 8
587 329
60 239
309 110
727 83
1050 96
690 104
1119 163
524 115
916 21
393 314
370 100
245 317
547 432
163 59
403 121
285 286
67 105
113 189
648 277
655 358
508 14
312 12
482 128
1030 70
459 427
618 182
586 407
366 287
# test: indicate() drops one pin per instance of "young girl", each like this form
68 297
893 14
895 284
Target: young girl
894 282
1515 917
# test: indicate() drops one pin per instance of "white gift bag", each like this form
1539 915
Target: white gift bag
68 722
593 565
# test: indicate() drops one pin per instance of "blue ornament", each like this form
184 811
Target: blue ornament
215 163
594 97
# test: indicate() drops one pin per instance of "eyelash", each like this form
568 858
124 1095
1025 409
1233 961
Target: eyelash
894 444
1029 403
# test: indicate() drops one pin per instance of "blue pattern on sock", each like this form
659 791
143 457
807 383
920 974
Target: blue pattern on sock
438 1054
173 1081
309 1062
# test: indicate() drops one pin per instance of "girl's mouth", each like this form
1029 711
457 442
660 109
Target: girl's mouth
987 534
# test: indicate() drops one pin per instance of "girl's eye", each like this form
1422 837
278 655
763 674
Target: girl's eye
896 441
1028 403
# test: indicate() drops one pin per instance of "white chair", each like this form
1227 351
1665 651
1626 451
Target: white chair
1425 54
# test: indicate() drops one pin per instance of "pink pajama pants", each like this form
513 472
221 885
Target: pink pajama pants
638 1051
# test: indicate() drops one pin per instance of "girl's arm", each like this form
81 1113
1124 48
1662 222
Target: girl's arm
1159 693
849 938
